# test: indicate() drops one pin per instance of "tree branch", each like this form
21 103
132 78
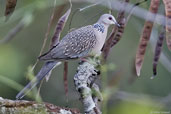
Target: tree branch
32 107
84 81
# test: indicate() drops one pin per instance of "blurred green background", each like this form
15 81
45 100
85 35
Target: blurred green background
124 92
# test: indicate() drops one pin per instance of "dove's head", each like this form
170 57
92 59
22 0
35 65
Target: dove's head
108 19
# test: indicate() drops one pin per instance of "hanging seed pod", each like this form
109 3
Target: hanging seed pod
55 39
59 27
167 4
119 33
65 78
114 38
157 53
116 33
10 7
146 36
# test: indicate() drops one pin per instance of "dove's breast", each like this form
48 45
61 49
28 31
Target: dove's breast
101 33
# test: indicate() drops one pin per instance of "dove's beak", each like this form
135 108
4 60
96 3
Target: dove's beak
116 23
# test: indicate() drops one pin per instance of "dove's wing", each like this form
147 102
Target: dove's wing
75 44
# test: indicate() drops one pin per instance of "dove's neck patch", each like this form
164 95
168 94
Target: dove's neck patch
99 27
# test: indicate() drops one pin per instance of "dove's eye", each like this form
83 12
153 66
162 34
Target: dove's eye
110 18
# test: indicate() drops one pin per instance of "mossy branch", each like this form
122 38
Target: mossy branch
84 81
31 107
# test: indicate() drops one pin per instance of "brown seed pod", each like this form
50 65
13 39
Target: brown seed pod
10 7
114 38
119 32
157 53
55 40
116 33
65 78
145 36
59 27
167 4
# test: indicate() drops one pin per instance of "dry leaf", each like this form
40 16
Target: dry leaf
145 36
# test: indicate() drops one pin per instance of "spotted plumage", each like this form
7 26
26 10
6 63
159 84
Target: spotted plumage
79 43
75 44
99 27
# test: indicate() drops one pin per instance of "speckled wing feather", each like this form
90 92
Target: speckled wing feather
75 44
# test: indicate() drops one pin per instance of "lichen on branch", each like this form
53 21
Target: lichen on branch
31 107
84 81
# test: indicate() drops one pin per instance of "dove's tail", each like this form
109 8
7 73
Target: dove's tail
44 71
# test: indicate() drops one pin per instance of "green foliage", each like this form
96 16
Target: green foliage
24 48
10 83
11 61
134 108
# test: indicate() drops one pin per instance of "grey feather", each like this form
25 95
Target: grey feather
79 43
75 44
48 66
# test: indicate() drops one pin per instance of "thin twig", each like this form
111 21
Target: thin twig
73 14
45 40
132 9
38 91
13 33
48 28
110 7
24 22
47 33
84 8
